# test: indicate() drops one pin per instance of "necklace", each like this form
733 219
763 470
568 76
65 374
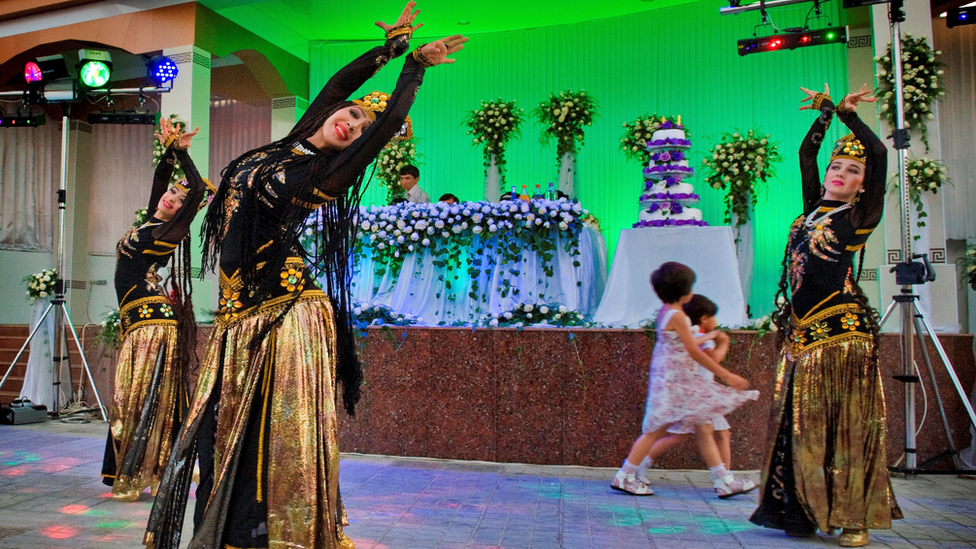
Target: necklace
811 222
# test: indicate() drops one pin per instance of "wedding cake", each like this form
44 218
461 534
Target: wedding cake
667 198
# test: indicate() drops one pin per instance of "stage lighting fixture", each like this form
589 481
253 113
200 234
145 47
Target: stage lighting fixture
793 40
94 68
22 120
123 117
45 69
848 4
957 17
162 69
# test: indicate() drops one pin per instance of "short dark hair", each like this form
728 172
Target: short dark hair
410 170
672 281
699 307
448 196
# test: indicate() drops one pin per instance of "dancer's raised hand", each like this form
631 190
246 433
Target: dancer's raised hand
437 51
184 141
852 99
811 95
406 18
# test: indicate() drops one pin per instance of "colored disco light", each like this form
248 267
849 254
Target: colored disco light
793 40
94 68
961 16
32 73
162 69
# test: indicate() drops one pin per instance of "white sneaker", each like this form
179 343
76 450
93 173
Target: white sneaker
728 486
630 484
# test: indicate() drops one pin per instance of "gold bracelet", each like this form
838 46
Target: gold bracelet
398 31
842 107
818 100
170 140
421 58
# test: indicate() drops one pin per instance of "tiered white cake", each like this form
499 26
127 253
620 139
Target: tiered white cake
667 198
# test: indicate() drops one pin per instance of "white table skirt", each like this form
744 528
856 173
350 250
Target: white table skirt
709 251
421 289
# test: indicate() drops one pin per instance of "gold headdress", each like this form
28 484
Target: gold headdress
208 191
374 103
850 148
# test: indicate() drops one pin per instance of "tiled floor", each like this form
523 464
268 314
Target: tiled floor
51 496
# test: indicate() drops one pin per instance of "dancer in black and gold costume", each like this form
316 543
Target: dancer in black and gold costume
159 330
264 412
826 467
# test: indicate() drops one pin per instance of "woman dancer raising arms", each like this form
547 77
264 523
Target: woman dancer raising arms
268 454
826 466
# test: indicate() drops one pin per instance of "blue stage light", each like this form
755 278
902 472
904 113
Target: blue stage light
162 69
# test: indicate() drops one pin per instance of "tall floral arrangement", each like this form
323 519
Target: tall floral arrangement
159 150
969 266
41 285
924 176
391 159
741 163
638 132
920 74
563 118
493 125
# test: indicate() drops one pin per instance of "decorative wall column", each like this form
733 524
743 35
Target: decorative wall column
285 112
938 299
190 100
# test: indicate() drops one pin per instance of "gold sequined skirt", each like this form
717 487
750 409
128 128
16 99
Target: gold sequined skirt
836 437
134 373
298 404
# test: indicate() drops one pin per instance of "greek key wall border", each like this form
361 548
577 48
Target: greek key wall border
859 42
894 256
282 103
869 275
937 255
191 57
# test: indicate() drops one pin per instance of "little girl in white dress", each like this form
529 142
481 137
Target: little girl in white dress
676 393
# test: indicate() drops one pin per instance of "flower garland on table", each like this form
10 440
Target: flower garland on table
493 125
563 117
969 266
920 75
391 159
370 314
741 163
41 285
638 132
458 235
923 176
159 150
526 314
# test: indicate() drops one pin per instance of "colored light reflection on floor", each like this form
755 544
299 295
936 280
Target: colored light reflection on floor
75 509
16 472
114 524
59 532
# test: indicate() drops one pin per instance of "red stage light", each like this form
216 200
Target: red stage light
32 73
805 39
775 44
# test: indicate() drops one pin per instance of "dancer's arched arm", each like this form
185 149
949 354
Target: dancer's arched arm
866 214
178 226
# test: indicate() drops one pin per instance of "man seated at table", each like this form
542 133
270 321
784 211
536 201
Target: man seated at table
409 176
448 198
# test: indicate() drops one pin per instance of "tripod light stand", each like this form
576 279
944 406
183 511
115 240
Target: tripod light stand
908 273
62 320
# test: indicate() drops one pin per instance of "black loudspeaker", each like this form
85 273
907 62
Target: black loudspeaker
21 412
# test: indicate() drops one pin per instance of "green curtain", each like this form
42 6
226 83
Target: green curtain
679 60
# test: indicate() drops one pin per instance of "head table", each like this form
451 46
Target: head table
458 264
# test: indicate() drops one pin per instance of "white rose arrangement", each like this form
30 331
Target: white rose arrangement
741 163
391 159
921 73
527 314
563 118
493 125
374 314
638 132
924 176
41 285
968 264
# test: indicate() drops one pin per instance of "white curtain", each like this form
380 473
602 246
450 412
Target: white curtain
957 121
121 180
30 164
235 128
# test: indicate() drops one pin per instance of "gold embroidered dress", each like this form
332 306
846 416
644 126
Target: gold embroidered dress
263 416
826 464
150 386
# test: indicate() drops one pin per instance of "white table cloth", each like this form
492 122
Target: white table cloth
710 251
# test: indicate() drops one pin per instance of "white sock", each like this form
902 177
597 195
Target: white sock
719 471
645 464
629 468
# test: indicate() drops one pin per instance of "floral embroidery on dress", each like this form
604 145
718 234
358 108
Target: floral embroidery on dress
819 331
291 279
821 237
798 261
230 304
166 310
145 311
799 339
850 321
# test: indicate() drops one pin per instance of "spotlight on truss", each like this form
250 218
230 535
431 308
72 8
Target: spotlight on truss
793 40
45 69
957 17
94 68
161 69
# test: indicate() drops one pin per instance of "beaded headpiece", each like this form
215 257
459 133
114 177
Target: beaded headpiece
374 103
208 192
850 148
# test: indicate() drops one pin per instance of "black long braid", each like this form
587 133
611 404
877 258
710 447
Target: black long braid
784 305
329 255
181 299
871 318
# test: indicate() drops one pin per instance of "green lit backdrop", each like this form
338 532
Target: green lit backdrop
674 61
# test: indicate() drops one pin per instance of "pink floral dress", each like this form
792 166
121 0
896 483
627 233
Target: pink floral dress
676 394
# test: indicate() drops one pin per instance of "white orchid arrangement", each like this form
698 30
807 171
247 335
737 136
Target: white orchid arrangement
924 176
493 125
920 75
539 313
393 157
741 163
563 118
41 285
458 235
159 150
